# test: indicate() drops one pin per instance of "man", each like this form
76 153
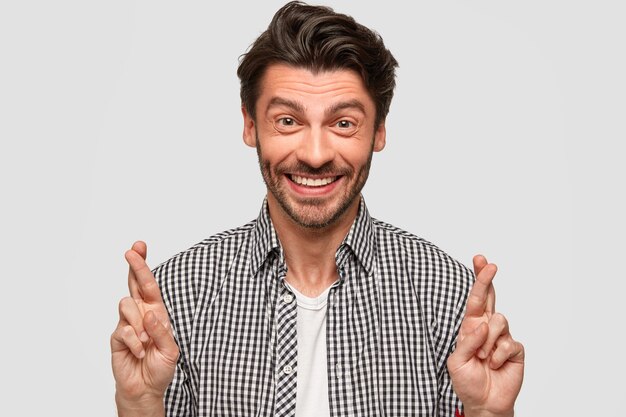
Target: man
314 308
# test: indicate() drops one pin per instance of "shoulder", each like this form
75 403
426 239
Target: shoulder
439 283
426 263
392 238
195 266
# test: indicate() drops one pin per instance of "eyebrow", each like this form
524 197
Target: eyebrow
279 101
335 108
342 105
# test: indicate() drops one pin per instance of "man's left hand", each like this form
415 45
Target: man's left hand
487 367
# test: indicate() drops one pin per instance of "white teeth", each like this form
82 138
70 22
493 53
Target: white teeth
310 182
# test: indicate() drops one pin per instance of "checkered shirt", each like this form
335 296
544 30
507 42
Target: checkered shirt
392 321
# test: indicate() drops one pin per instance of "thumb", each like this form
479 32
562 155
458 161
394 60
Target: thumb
466 348
161 336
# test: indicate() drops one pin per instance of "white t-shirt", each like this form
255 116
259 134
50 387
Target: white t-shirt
312 375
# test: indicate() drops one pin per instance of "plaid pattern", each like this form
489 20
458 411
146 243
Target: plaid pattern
393 318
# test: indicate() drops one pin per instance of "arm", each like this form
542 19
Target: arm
143 350
487 367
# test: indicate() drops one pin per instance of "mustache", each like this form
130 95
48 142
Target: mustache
300 167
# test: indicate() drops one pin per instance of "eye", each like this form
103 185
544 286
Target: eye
286 124
345 127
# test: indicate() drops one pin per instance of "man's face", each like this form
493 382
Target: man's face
314 135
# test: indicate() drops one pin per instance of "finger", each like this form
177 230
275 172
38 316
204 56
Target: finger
148 290
498 327
124 337
161 336
507 350
479 262
142 249
491 300
129 311
467 347
481 298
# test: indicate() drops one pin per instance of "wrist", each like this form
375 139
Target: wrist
485 413
148 406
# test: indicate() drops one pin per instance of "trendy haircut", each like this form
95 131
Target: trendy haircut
318 39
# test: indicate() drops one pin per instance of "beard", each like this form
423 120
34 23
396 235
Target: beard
314 213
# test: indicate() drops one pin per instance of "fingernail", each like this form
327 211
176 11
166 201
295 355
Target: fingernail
142 354
151 318
482 354
144 337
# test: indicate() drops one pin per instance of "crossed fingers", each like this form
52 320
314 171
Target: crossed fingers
143 315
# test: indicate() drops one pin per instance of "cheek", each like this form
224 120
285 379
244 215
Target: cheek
356 154
274 151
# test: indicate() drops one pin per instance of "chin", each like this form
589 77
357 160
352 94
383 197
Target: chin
315 217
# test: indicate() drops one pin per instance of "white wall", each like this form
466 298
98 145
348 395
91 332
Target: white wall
119 120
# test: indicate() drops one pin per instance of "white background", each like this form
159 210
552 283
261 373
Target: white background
119 120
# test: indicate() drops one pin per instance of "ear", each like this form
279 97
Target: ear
249 131
380 137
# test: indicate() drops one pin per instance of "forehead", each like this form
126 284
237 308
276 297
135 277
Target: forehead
302 84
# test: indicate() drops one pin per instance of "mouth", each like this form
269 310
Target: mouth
312 182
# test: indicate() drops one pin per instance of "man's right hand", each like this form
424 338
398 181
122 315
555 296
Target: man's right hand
143 350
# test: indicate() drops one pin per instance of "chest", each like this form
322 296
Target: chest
243 357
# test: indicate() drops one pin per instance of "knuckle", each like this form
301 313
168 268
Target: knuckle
500 320
137 345
123 304
113 337
506 345
151 285
127 332
498 317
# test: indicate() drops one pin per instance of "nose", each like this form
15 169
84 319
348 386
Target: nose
316 148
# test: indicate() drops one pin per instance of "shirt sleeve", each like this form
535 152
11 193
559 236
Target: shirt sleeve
449 403
179 400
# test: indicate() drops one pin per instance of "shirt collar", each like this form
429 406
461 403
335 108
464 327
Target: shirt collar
359 240
265 239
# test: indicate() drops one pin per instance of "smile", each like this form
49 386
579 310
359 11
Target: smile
312 182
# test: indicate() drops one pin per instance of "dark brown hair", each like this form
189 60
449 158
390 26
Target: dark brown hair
318 39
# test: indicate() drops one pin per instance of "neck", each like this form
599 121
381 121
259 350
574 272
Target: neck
310 252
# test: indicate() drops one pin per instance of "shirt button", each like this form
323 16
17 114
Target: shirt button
287 369
287 298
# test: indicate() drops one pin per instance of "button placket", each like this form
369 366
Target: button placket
286 346
338 371
287 298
